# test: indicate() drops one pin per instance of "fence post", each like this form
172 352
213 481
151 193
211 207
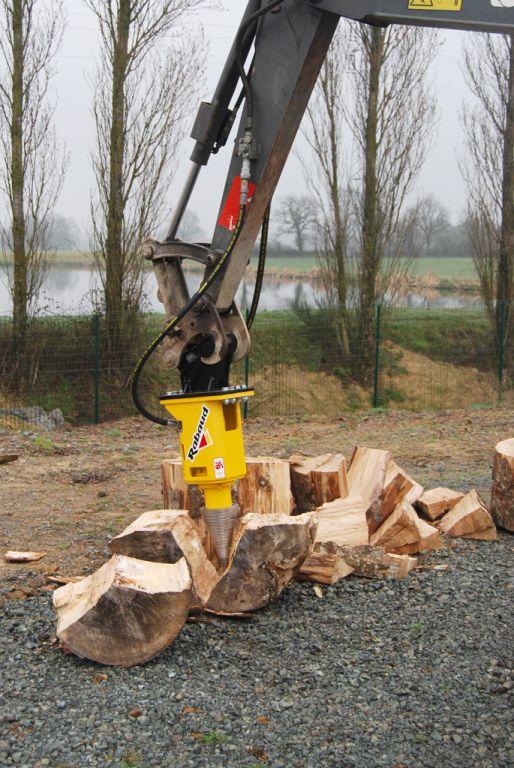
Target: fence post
501 348
376 372
96 320
247 375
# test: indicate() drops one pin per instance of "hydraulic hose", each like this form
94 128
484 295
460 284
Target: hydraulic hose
263 249
175 320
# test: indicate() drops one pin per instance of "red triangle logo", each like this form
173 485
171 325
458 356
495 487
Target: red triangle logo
203 441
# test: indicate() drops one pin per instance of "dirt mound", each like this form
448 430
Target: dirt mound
288 390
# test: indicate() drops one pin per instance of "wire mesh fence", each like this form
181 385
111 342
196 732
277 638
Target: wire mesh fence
64 369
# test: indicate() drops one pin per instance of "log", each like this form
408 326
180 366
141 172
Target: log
404 533
502 498
341 523
126 612
414 491
438 501
266 552
367 480
176 494
397 485
376 563
166 536
266 489
469 518
317 479
330 480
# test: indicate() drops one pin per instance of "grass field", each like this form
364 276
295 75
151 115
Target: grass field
445 269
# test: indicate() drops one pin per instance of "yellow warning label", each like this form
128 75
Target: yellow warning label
435 5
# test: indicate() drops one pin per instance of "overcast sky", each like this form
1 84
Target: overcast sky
440 176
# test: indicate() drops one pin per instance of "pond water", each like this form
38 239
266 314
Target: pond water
68 290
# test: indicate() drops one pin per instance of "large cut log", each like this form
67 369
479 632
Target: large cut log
317 479
165 536
266 552
502 498
404 533
438 501
341 523
126 612
266 489
469 519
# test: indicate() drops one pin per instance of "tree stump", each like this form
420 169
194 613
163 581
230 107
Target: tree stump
502 498
126 612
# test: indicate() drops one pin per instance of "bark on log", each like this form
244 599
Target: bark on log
266 489
437 501
176 494
502 498
317 479
166 536
469 519
266 552
376 563
126 612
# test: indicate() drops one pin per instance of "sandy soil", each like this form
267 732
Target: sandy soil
69 492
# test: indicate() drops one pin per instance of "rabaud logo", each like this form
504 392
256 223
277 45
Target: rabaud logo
201 438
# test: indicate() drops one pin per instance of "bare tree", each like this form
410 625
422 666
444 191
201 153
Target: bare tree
190 228
392 117
296 214
328 181
371 83
432 220
489 171
143 90
33 162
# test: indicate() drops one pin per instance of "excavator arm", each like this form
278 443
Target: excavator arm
287 42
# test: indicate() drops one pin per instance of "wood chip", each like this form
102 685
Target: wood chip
23 557
7 458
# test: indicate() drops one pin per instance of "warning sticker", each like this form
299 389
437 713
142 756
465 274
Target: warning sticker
219 469
230 213
435 5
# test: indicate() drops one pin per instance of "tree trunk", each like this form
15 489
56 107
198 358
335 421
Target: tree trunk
505 276
370 247
20 292
114 267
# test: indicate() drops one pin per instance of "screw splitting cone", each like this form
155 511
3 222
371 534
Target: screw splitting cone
220 524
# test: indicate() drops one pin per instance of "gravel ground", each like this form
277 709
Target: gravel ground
375 674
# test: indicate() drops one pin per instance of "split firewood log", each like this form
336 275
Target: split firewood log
469 519
379 482
317 479
126 612
266 552
438 501
404 533
502 498
166 536
415 490
376 563
341 523
266 489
